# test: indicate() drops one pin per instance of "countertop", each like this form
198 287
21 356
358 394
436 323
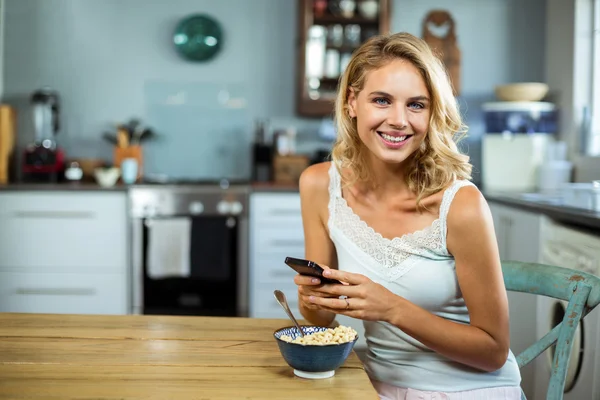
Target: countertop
161 357
83 186
567 215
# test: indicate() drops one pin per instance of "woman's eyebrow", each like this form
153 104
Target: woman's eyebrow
385 94
419 98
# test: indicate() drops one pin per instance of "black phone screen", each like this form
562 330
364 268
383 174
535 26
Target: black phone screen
310 268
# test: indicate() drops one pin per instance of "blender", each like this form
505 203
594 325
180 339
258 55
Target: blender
43 160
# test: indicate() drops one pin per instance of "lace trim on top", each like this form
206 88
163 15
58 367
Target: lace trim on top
394 257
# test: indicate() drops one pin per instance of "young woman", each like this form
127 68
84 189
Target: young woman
395 217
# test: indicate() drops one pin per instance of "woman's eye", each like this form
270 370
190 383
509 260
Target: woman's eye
381 101
417 106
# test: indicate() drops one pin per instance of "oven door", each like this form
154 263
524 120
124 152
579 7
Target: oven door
190 265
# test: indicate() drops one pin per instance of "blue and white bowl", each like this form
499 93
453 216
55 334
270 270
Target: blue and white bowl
312 361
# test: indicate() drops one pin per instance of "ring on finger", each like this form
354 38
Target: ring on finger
347 303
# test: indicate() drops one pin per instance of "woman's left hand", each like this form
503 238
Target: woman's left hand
364 299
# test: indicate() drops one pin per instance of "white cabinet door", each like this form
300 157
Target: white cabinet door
64 252
518 233
68 231
275 233
63 293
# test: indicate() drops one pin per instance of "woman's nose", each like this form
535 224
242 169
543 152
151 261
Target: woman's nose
398 117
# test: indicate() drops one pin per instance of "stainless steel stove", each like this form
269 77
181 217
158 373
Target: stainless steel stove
202 263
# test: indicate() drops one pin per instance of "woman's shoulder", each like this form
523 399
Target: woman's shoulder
314 180
468 203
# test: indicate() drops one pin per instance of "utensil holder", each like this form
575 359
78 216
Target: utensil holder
121 153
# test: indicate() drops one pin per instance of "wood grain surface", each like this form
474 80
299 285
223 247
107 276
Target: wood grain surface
71 357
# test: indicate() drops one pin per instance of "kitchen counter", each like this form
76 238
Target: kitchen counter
140 356
567 215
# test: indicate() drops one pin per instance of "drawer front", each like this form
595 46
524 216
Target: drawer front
264 305
67 232
275 209
69 204
282 239
63 293
271 268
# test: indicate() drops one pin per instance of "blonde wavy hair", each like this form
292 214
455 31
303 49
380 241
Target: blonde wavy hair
438 161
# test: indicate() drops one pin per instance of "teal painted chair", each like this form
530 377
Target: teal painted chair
581 290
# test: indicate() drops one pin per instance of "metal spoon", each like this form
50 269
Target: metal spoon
280 297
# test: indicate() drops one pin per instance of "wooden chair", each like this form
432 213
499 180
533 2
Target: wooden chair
580 289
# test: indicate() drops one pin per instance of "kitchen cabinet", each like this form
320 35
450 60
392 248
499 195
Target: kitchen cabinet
328 32
275 233
64 252
518 234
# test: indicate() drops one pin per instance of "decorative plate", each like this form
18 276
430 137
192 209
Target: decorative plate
198 38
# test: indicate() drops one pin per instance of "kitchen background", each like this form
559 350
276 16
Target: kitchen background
218 248
112 60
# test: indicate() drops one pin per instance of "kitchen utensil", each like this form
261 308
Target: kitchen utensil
122 137
136 152
280 297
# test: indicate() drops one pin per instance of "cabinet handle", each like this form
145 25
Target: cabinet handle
283 273
285 243
54 214
57 291
283 212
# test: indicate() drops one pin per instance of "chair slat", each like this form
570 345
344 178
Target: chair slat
582 292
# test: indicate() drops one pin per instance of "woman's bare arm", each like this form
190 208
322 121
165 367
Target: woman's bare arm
484 343
314 197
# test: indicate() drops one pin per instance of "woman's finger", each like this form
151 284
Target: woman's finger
306 280
349 277
314 291
332 302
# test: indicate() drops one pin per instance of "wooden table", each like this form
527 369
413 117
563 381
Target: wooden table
157 357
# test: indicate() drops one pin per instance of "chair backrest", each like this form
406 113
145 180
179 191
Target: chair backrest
580 289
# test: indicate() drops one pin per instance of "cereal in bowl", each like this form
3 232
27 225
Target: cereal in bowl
338 335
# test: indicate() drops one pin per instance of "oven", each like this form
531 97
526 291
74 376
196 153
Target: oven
190 246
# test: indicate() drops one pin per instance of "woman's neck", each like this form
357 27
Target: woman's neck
387 179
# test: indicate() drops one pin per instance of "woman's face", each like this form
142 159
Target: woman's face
392 111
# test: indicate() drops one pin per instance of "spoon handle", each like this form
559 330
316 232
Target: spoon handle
280 297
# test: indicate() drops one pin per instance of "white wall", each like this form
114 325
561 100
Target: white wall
568 71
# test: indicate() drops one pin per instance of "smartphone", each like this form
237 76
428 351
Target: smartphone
310 268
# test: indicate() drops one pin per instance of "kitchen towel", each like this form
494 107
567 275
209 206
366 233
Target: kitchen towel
168 254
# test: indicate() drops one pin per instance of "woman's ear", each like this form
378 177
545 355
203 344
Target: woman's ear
351 103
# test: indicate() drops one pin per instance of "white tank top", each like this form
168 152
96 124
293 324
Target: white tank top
418 267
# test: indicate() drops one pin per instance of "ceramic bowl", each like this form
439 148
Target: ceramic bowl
526 91
369 9
312 361
107 177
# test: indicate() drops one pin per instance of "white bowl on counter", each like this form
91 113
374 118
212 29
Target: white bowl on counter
107 177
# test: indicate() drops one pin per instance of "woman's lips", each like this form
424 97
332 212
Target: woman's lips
393 141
